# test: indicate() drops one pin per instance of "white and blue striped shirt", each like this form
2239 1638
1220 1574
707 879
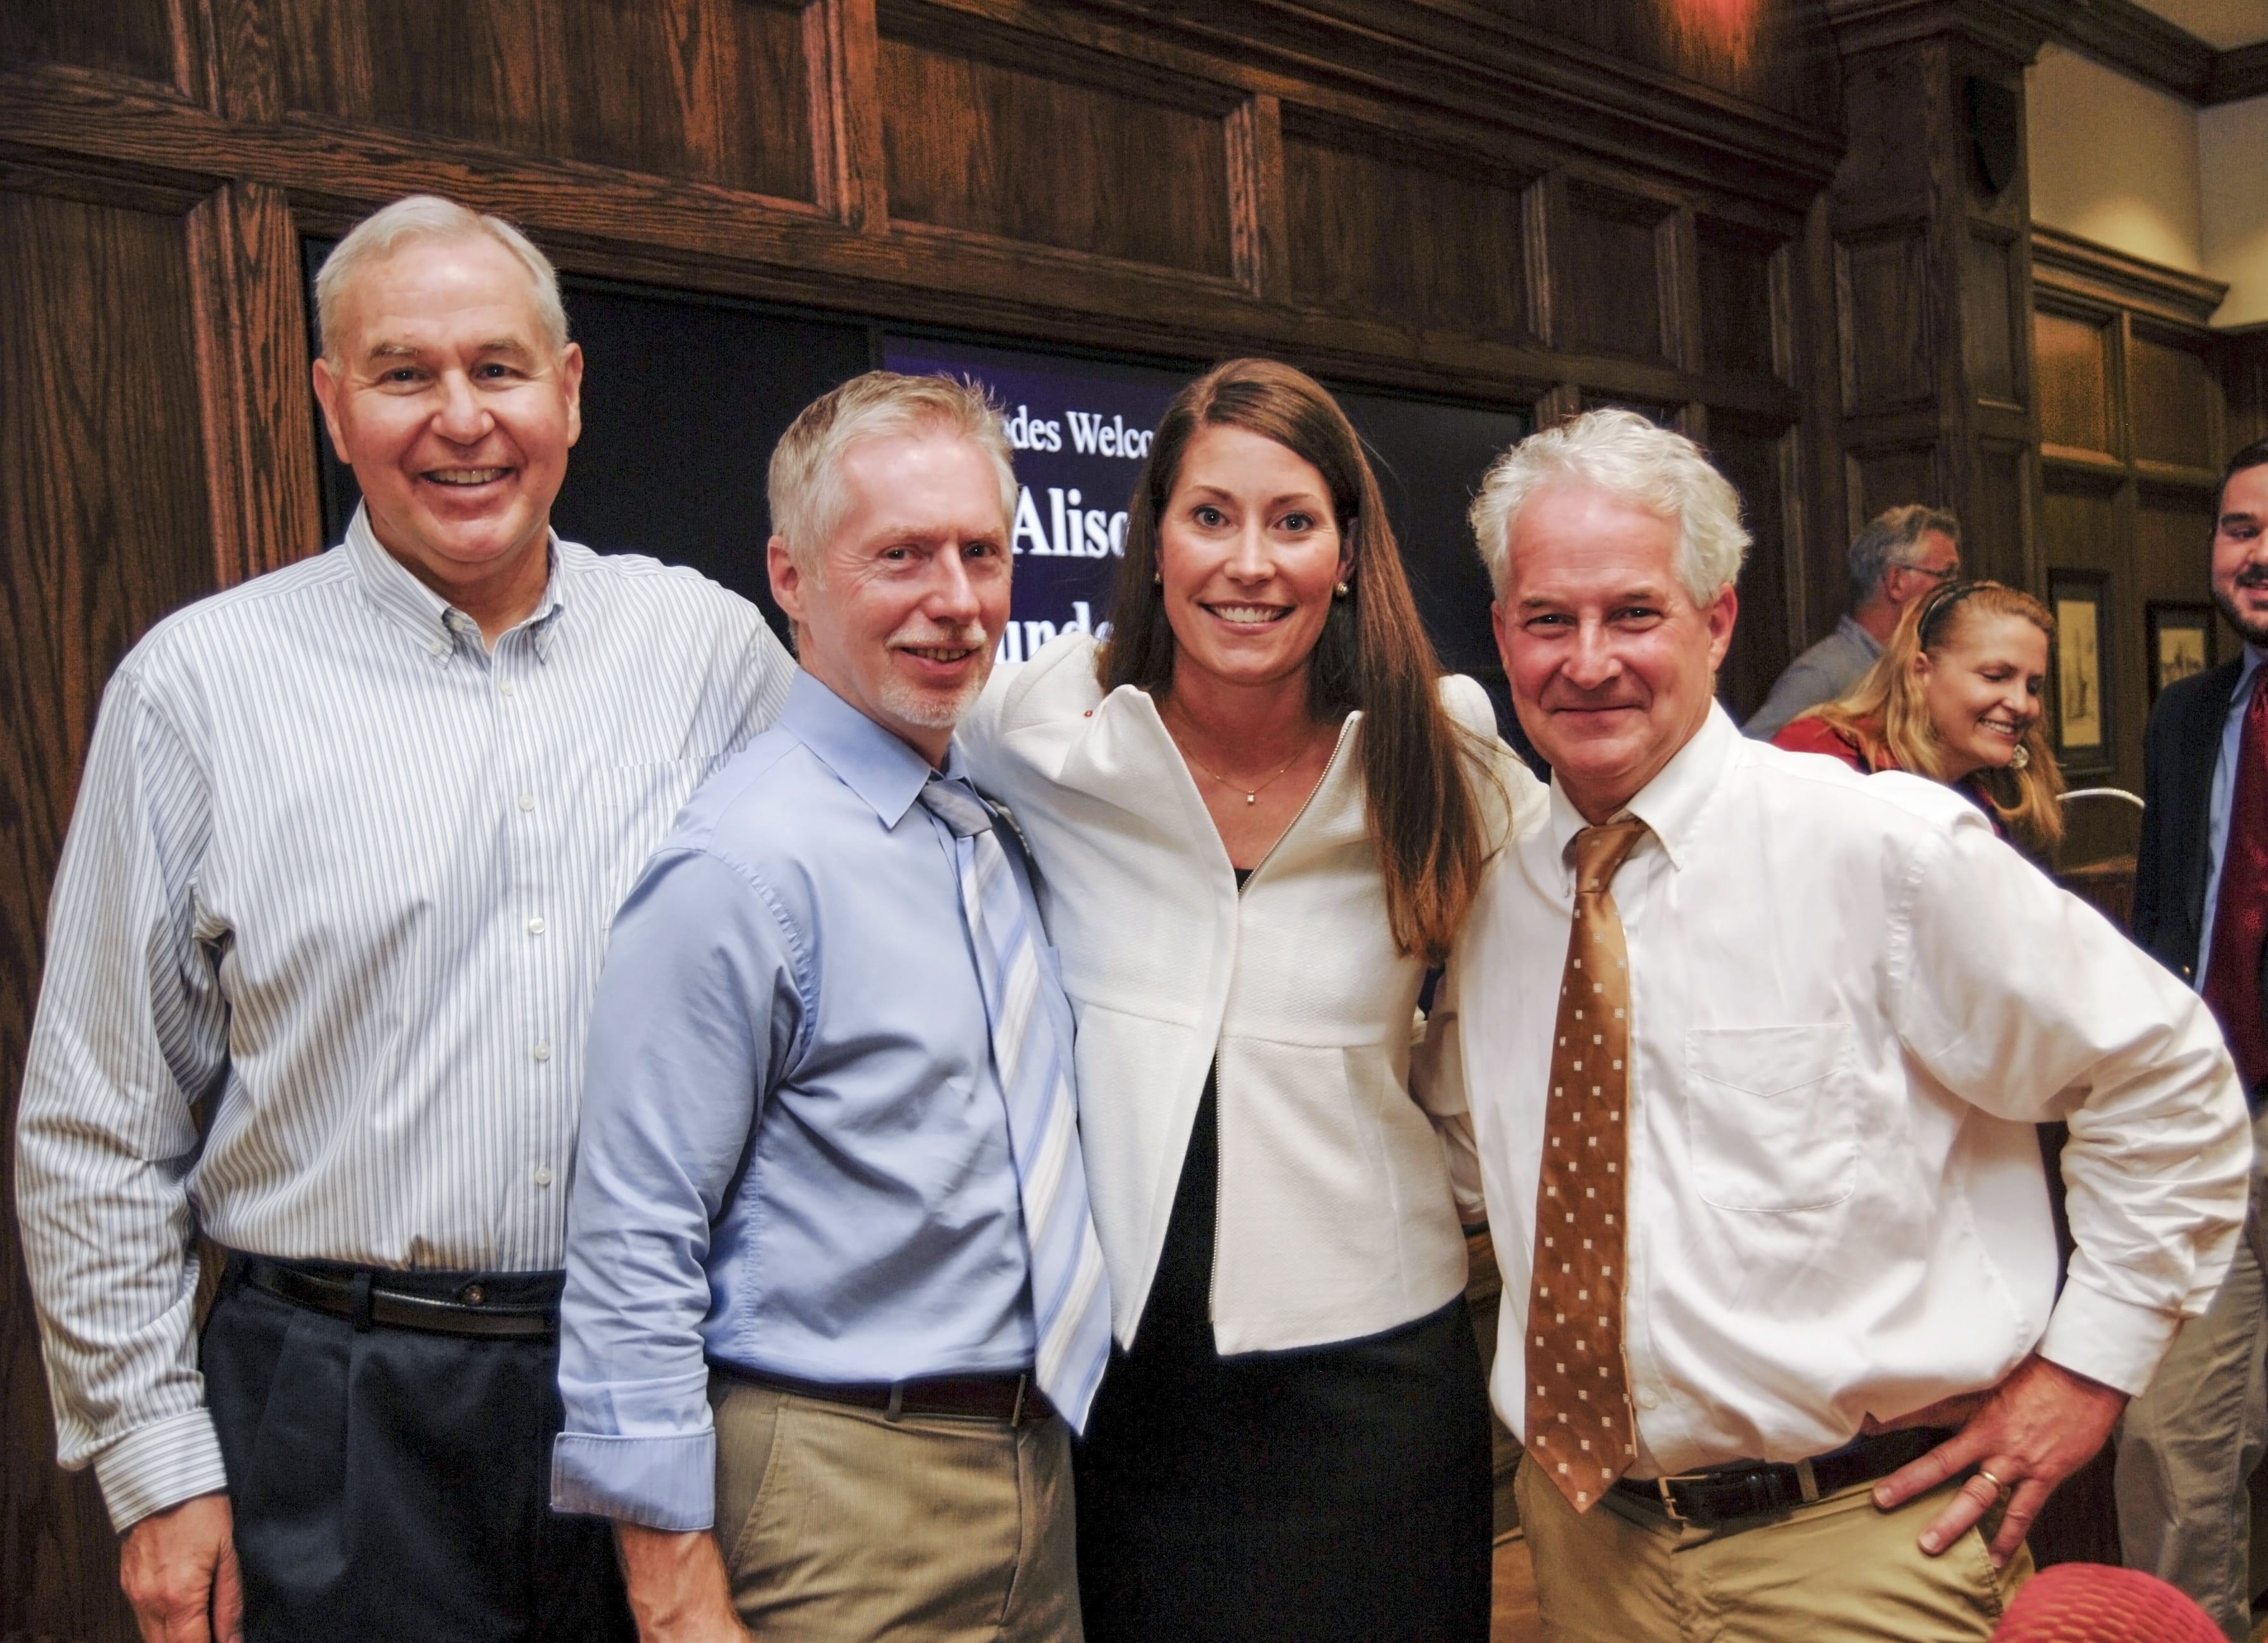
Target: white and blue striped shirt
339 883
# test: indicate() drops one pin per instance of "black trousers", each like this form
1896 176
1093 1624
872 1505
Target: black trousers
390 1484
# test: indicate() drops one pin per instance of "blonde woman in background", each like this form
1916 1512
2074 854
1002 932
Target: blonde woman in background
1957 697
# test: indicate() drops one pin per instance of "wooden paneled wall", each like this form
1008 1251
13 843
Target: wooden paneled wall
2139 405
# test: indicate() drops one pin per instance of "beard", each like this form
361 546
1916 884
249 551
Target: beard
936 709
2255 630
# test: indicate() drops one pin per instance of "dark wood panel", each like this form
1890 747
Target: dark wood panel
2175 400
1988 319
1734 269
1374 229
2173 544
1889 345
715 89
1891 476
1607 296
104 526
1993 536
694 236
253 376
1757 457
1058 155
2071 369
129 37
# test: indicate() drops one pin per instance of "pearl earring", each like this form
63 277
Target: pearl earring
1158 576
2021 759
1340 591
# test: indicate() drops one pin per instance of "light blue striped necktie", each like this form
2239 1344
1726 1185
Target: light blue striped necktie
1071 1295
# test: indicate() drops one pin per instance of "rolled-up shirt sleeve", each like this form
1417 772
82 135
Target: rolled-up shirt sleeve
698 1010
2023 1000
132 1031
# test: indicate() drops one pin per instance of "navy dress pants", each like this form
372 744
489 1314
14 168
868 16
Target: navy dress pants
393 1483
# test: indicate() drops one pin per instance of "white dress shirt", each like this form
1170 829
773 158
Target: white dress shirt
338 882
1850 1004
1337 1216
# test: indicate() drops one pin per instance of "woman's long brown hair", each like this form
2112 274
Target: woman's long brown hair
1419 766
1886 710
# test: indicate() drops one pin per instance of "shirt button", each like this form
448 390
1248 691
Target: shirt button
1646 1400
507 687
535 926
543 1175
543 1052
527 801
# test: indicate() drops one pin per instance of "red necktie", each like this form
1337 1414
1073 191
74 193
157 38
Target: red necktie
2239 915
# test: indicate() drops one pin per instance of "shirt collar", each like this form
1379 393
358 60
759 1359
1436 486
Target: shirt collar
433 622
868 760
1849 627
1671 804
2254 656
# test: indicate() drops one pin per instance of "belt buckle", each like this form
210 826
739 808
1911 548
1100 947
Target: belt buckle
1662 1488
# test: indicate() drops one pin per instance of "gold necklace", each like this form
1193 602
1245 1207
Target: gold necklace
1251 794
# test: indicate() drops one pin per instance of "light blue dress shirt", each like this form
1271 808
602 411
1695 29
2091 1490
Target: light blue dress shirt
2224 795
794 1154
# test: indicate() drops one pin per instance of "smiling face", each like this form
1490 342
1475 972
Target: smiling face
2240 553
1250 551
446 397
1612 664
902 606
1982 688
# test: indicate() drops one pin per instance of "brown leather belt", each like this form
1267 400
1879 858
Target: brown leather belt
1014 1398
1758 1488
366 1297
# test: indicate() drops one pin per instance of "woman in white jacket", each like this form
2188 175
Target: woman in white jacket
1261 813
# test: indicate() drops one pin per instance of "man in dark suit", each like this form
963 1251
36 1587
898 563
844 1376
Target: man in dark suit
2191 1442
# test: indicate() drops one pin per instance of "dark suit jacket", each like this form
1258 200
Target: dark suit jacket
2179 750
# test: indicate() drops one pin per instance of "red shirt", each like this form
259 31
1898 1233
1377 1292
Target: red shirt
1816 735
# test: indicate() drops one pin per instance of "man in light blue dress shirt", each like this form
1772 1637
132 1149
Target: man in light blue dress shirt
799 1334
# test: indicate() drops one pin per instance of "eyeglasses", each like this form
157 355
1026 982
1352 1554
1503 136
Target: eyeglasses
1941 575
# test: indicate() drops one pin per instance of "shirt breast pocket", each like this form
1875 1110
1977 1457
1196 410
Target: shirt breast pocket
1772 1117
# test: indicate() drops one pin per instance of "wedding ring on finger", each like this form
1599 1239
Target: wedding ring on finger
1999 1489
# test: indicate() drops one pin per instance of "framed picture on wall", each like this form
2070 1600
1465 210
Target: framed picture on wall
2082 683
2181 642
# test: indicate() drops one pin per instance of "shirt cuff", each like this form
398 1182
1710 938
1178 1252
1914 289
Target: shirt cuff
160 1465
2113 1341
658 1483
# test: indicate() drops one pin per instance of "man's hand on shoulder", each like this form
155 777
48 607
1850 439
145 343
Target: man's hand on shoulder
2029 1432
677 1587
177 1567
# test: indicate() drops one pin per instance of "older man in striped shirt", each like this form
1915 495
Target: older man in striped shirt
324 943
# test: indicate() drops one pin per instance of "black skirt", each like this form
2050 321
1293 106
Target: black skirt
1333 1492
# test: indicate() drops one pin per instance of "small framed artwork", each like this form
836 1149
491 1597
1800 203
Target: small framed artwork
2082 702
2181 642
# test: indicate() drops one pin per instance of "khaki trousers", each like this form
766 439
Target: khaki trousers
1838 1570
836 1522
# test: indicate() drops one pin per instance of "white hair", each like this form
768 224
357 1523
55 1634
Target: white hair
1628 457
430 217
805 486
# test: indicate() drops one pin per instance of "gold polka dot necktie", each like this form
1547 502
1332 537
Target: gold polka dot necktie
1581 1429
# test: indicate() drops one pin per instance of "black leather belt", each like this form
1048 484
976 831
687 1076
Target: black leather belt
1014 1398
366 1297
1759 1488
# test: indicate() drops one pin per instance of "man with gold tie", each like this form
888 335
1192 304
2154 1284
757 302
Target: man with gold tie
1753 1047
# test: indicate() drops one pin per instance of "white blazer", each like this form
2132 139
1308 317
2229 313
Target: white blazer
1336 1215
